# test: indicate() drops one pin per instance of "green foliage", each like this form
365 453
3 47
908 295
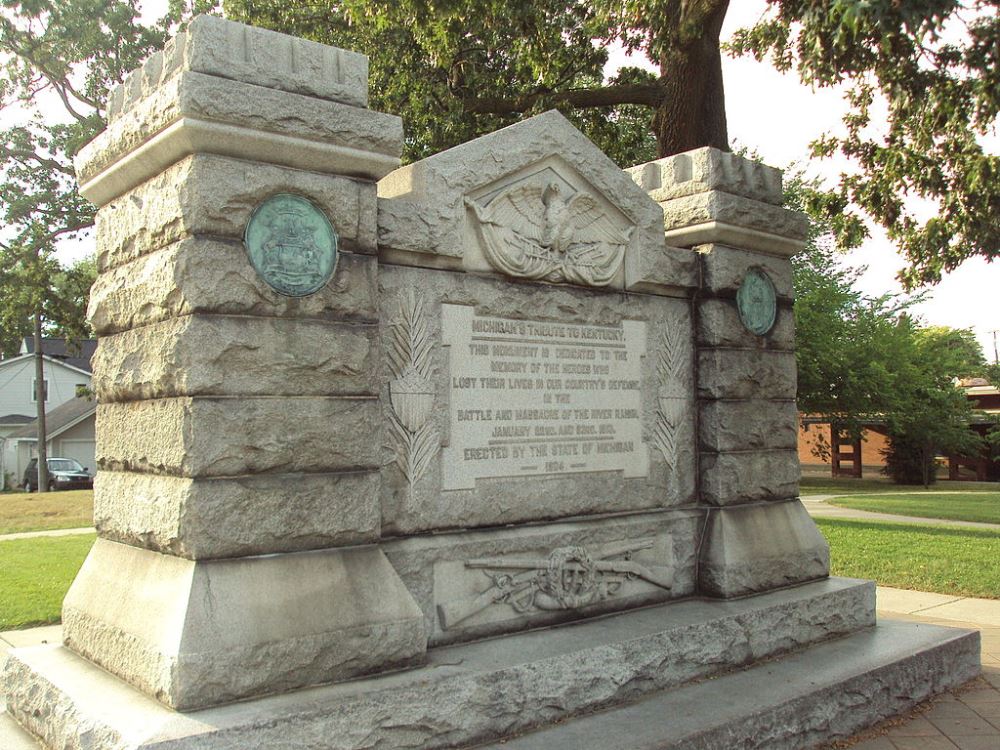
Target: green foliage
930 415
946 560
864 360
907 461
459 69
924 87
62 57
35 575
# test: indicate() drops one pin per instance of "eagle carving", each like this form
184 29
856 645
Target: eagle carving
531 232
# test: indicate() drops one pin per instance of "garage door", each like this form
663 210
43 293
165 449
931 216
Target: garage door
81 450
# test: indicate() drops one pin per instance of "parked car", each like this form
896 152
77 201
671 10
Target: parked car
64 474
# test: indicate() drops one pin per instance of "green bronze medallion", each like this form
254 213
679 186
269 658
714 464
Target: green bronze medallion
757 302
291 244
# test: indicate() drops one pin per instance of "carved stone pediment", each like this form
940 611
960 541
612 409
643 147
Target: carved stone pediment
536 201
537 231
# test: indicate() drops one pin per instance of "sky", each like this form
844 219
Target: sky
777 117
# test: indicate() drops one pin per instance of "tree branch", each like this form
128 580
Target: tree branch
649 94
24 157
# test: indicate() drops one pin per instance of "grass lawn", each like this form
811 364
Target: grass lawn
946 560
847 486
979 506
38 511
35 575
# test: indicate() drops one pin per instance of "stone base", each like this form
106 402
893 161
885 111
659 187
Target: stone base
806 699
194 633
759 547
489 690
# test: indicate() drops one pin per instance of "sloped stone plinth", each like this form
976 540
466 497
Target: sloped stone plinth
465 694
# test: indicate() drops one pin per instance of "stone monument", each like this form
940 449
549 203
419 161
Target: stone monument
445 454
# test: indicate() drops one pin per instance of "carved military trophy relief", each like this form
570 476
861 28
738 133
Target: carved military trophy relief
568 578
411 391
533 233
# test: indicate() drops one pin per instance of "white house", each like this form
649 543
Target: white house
65 370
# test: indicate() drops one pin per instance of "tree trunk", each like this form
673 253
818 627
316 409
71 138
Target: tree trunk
693 109
43 466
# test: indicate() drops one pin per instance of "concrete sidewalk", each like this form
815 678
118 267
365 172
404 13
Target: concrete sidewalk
53 532
818 505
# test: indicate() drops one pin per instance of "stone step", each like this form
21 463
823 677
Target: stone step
12 736
467 693
826 692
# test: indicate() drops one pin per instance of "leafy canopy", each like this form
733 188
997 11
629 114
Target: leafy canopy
921 77
865 361
59 59
923 81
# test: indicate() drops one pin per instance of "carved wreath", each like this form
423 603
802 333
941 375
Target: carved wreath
531 232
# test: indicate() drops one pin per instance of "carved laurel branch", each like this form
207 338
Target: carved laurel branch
670 365
414 450
412 345
415 438
669 374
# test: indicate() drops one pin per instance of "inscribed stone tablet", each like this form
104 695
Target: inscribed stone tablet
529 398
757 302
291 244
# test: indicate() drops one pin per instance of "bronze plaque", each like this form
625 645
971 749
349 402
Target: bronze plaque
757 302
291 244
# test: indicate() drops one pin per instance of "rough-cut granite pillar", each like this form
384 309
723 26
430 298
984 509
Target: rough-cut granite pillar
238 429
728 209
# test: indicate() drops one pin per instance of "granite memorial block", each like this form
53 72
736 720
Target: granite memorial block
432 455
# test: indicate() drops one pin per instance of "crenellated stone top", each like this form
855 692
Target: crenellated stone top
712 197
231 90
217 47
707 169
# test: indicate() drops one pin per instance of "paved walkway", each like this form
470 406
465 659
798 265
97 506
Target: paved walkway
53 532
819 506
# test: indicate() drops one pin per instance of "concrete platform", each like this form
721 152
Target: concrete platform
483 691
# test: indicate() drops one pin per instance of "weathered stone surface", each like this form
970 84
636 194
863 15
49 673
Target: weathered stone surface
740 374
726 267
202 275
745 425
433 569
212 195
659 272
735 210
469 693
208 632
719 325
809 699
214 355
705 169
754 548
313 128
241 53
723 233
734 478
432 226
232 517
414 506
204 437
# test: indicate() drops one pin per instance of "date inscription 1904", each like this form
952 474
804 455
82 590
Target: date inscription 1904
531 398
